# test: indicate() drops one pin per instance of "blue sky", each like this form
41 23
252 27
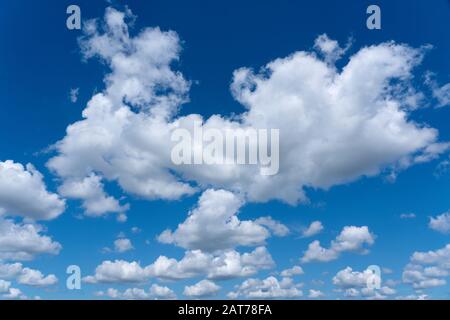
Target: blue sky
42 61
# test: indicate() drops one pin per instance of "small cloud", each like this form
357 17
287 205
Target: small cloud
122 217
136 230
387 271
313 229
440 223
314 294
123 245
442 168
294 271
73 95
407 216
440 93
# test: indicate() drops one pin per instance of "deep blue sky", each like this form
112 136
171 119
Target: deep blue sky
40 62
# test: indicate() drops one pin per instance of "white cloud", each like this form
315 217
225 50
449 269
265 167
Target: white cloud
413 297
162 292
135 294
314 228
202 289
95 201
294 271
428 269
269 288
214 225
155 292
123 245
315 294
24 241
117 272
110 292
9 271
329 48
23 193
276 227
440 93
347 278
225 265
193 263
351 239
336 125
135 230
355 284
35 278
440 223
352 293
14 294
4 286
124 133
378 294
73 94
26 276
440 256
408 216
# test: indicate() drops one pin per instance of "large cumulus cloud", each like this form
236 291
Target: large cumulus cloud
336 125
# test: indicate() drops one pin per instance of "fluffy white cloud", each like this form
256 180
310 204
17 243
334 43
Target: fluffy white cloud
110 292
214 225
294 271
155 292
26 276
315 294
355 284
73 94
336 125
23 241
347 278
329 48
123 245
124 133
378 294
225 265
23 193
35 278
95 201
9 271
269 288
413 297
202 289
314 228
162 292
428 269
118 271
4 286
136 230
14 294
440 93
440 223
274 226
351 239
192 264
